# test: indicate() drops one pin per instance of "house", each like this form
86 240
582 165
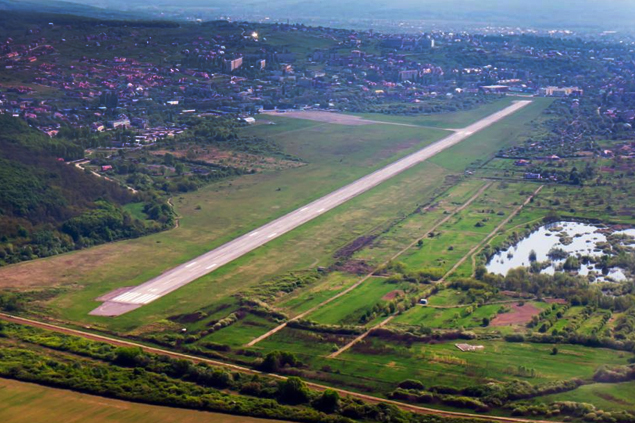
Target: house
522 162
106 168
494 89
469 348
408 75
560 92
232 65
119 123
533 175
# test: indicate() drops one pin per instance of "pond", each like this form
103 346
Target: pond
569 239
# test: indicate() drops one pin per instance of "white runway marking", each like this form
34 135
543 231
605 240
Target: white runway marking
180 276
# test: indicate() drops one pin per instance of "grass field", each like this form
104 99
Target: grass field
349 309
605 396
455 120
388 363
377 365
303 300
219 212
29 403
451 318
456 237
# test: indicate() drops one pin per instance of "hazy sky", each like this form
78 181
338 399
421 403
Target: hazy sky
599 14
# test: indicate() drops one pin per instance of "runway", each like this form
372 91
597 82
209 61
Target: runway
188 272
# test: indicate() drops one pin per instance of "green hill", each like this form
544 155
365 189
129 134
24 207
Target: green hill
48 206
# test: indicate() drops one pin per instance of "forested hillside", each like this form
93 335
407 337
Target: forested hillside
48 206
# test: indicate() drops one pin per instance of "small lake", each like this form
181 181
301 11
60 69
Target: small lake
574 238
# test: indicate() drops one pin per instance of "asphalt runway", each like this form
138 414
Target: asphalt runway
188 272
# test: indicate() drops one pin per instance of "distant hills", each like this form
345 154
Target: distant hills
64 7
572 14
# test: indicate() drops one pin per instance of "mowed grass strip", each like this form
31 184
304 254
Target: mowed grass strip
29 403
303 300
350 308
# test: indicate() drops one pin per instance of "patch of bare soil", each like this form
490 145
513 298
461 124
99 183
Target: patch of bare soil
555 301
392 295
349 249
518 316
355 267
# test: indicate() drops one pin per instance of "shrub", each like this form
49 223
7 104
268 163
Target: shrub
411 384
293 391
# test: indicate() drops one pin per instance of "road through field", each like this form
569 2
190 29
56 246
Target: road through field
174 279
344 393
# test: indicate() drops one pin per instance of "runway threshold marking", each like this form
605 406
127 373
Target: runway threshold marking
336 198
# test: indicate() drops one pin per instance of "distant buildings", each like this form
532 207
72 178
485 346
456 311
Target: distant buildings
232 65
408 75
560 92
494 89
123 122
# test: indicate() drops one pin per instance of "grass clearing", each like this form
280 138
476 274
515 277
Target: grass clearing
388 362
350 308
454 120
303 300
605 396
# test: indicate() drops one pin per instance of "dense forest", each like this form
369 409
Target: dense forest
48 206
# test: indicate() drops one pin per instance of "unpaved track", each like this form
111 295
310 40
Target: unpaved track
491 234
208 262
365 278
342 392
456 266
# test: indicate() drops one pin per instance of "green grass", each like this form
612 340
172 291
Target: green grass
479 147
136 210
350 308
241 332
28 403
444 364
454 239
455 120
450 318
446 297
336 155
605 396
303 300
379 365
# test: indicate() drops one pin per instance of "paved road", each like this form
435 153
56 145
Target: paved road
208 262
